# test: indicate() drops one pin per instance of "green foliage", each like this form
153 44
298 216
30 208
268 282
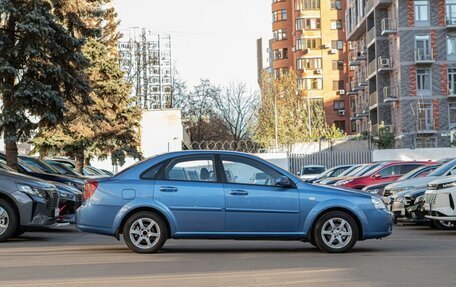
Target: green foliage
41 69
111 127
386 139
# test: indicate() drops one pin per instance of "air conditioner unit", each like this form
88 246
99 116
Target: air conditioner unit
333 51
341 92
341 112
388 128
318 71
384 63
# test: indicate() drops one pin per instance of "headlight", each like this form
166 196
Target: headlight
419 198
378 203
65 195
343 182
30 190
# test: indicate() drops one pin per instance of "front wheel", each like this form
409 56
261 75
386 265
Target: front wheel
8 220
336 232
443 225
145 232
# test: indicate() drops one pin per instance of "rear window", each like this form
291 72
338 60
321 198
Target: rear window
312 170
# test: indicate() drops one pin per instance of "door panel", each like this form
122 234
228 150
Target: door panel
253 202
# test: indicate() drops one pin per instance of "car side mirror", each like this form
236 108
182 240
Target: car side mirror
283 181
377 175
453 172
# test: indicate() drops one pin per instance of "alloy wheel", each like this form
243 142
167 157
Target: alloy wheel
4 220
336 233
145 233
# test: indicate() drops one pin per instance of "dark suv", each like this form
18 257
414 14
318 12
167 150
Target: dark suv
25 203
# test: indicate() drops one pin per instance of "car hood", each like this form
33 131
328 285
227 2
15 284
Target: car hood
340 191
25 179
417 183
65 187
411 193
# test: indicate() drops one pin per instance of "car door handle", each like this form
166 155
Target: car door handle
168 189
239 192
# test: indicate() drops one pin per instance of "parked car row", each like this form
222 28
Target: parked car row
37 195
419 192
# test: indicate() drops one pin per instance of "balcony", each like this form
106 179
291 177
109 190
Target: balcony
452 90
351 88
370 37
372 69
373 100
424 56
389 26
374 3
390 94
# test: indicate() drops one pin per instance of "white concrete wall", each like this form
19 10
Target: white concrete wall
414 154
279 159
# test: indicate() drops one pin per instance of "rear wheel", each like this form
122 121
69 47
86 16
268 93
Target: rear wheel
8 220
336 232
443 225
145 232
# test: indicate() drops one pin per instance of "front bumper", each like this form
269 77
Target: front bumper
44 212
380 223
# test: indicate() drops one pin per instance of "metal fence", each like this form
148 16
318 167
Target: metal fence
329 158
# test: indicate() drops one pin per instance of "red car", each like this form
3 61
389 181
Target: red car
385 172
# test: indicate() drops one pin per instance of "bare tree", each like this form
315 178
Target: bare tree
236 106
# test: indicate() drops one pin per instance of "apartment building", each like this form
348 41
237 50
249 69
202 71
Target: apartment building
309 38
264 56
145 58
403 69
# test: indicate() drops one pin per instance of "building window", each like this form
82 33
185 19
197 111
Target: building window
280 15
451 12
451 46
309 63
307 4
452 115
338 85
280 34
425 117
303 43
317 102
336 4
278 73
308 24
336 24
423 79
423 49
336 44
340 125
426 142
337 65
280 54
339 105
422 12
310 83
452 81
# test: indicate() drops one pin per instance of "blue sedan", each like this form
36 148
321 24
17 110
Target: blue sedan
226 195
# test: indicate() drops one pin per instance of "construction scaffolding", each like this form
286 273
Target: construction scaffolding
146 60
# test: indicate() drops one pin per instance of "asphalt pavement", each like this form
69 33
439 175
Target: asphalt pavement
412 256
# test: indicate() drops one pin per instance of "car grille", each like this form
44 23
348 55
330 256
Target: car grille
52 197
408 201
78 201
431 198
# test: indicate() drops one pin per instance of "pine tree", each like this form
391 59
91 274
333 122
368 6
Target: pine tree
111 128
41 69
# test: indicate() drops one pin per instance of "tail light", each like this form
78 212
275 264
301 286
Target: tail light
89 189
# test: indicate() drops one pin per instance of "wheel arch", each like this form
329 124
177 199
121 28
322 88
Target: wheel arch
11 201
137 209
350 212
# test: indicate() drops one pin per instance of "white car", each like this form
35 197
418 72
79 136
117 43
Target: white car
440 198
311 171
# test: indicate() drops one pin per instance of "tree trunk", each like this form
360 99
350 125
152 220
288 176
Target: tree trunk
87 161
80 162
11 146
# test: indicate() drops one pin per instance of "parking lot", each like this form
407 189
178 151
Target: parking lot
412 256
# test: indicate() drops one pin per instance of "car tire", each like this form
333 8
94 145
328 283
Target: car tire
145 232
443 225
8 220
336 227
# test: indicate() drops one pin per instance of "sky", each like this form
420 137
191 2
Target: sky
213 39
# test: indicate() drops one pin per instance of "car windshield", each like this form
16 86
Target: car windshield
64 169
312 170
369 169
351 170
42 166
417 172
444 169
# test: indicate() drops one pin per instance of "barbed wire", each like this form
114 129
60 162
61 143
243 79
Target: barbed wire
242 146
